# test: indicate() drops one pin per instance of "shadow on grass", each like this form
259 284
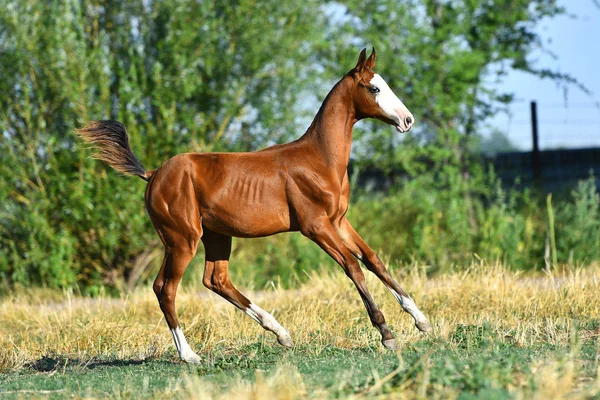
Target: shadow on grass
248 357
49 364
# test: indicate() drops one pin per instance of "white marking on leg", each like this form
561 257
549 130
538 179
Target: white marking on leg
409 306
268 322
176 340
183 348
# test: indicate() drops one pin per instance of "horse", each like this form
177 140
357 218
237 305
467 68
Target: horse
299 186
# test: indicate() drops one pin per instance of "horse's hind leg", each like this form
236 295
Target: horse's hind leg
216 278
175 264
180 231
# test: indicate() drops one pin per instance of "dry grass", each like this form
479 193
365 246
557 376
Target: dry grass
523 311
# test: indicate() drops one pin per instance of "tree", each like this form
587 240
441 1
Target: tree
445 58
182 75
496 142
188 75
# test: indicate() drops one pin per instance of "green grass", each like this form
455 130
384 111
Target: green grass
474 363
343 371
496 335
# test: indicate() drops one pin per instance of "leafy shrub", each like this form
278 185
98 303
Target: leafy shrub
578 224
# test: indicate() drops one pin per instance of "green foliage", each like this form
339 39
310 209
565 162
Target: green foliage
578 224
496 142
437 227
199 76
182 76
448 57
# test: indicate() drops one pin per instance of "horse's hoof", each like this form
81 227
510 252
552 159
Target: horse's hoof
424 326
389 344
285 341
191 358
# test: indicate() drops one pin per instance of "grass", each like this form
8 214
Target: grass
497 334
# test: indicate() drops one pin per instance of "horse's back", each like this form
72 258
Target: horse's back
239 194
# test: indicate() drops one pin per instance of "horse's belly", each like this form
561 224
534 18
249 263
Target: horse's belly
241 219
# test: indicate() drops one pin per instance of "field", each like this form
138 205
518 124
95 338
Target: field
497 334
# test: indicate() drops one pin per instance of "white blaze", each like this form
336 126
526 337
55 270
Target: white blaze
390 103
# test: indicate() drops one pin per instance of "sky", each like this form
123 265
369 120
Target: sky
570 123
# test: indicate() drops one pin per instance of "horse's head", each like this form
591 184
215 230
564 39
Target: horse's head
373 98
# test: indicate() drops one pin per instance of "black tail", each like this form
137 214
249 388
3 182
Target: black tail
109 139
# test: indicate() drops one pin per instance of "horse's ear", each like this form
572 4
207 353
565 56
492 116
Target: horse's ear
361 60
371 60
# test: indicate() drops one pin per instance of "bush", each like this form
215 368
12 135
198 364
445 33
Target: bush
578 225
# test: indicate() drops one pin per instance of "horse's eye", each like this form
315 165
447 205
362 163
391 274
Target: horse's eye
374 89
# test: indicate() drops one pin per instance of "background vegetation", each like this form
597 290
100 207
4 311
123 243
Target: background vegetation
199 76
189 75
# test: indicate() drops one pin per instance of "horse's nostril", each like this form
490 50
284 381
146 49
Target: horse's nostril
408 121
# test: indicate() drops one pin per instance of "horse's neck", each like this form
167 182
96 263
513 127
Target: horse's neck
330 133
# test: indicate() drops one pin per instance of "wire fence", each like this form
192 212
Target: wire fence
561 125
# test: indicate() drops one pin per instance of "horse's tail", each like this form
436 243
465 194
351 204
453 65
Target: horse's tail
109 139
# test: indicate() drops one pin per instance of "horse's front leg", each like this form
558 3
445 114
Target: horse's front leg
357 246
323 233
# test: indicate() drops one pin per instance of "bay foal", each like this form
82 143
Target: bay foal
300 186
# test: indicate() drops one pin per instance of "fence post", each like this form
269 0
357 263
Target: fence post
536 161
